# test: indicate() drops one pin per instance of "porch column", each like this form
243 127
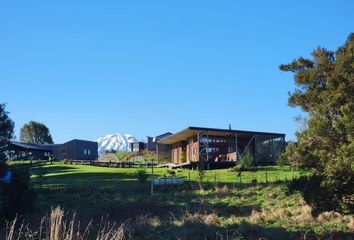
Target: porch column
236 147
157 153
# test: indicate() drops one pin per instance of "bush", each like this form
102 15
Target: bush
246 160
18 193
282 160
171 173
122 156
2 168
316 194
141 175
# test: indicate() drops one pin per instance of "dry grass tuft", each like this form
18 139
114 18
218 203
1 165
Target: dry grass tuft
233 219
303 215
350 225
211 219
58 227
256 216
113 231
222 190
328 216
143 220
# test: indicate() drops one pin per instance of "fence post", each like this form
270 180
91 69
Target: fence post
189 176
266 175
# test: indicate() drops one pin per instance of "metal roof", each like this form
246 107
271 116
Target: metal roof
32 146
192 131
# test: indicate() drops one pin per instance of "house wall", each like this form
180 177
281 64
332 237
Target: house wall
76 150
136 146
177 150
220 149
264 147
151 145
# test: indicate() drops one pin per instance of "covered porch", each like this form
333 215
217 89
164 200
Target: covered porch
206 146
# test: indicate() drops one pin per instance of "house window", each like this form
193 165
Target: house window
88 151
85 152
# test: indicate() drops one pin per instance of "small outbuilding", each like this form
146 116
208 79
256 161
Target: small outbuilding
136 146
72 150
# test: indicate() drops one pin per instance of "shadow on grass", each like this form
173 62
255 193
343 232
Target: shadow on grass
51 169
197 229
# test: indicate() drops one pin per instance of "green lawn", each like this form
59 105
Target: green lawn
70 175
225 210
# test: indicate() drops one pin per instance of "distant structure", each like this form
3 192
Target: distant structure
136 146
71 150
152 141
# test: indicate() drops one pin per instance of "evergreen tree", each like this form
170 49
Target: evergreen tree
325 90
35 132
6 134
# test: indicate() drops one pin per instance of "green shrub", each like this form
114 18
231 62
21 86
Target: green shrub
122 156
171 173
141 175
282 160
246 160
18 193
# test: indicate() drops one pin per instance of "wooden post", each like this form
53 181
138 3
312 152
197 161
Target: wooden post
152 179
189 176
236 149
266 175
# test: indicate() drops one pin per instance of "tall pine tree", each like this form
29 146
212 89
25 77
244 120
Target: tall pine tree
6 134
325 90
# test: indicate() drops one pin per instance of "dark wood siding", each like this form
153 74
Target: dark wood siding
76 150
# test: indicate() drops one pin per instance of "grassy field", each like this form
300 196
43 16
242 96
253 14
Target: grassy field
228 208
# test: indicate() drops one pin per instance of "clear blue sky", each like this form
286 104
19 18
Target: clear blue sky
87 68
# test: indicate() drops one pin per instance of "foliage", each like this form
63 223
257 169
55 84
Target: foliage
315 194
6 134
141 175
281 160
290 151
171 173
35 132
18 193
149 156
122 156
326 92
246 160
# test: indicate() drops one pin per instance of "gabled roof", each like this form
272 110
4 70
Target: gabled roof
32 146
163 135
79 140
192 131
